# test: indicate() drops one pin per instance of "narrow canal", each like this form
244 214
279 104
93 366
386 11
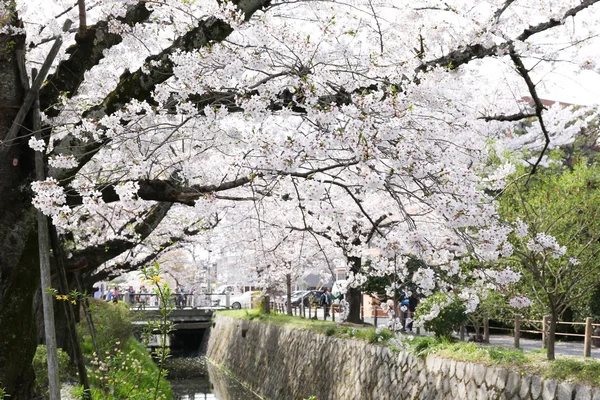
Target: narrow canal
194 378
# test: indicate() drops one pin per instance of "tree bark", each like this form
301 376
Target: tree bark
288 281
19 272
353 295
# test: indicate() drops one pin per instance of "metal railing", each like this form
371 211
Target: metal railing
141 301
518 322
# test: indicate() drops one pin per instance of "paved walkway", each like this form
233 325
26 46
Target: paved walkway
565 348
574 348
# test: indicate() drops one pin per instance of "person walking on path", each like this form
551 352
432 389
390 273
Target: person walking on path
326 301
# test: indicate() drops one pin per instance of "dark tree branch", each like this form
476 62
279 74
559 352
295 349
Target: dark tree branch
469 53
140 84
172 191
539 107
501 10
82 17
173 243
92 257
544 26
512 117
86 53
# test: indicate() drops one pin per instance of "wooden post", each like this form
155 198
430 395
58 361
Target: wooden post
587 343
288 294
517 331
486 330
309 311
333 312
545 327
462 332
374 308
45 275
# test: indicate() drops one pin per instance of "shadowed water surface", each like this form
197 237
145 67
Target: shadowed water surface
195 379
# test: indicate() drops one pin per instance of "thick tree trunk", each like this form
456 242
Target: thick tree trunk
288 281
18 339
353 295
552 336
19 272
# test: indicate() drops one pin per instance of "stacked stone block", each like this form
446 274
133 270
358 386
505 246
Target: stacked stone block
282 363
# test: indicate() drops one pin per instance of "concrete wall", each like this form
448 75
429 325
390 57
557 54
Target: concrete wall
281 363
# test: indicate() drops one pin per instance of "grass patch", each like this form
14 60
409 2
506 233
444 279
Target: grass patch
586 371
327 328
449 347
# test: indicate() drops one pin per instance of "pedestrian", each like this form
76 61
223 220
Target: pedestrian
97 292
180 298
326 300
129 296
115 295
108 295
142 298
412 306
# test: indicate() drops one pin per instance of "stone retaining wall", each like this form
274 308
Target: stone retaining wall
284 364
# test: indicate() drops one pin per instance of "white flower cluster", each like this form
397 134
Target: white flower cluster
520 302
469 295
345 310
37 145
573 261
425 279
505 277
355 279
127 192
60 161
49 196
388 308
50 199
521 230
543 242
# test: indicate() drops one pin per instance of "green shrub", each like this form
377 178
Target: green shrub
330 331
40 367
127 373
450 318
124 368
112 323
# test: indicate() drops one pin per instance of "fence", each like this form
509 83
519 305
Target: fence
194 300
303 311
591 331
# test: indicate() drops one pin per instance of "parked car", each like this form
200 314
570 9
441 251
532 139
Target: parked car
243 300
295 296
307 297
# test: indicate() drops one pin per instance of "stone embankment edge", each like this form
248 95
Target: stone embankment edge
283 363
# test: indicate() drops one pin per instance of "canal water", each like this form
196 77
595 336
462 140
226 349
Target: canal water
195 378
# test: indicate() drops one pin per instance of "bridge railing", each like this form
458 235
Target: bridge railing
185 300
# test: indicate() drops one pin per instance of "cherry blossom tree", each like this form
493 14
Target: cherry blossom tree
555 243
370 122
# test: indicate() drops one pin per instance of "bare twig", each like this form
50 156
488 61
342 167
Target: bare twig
539 107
